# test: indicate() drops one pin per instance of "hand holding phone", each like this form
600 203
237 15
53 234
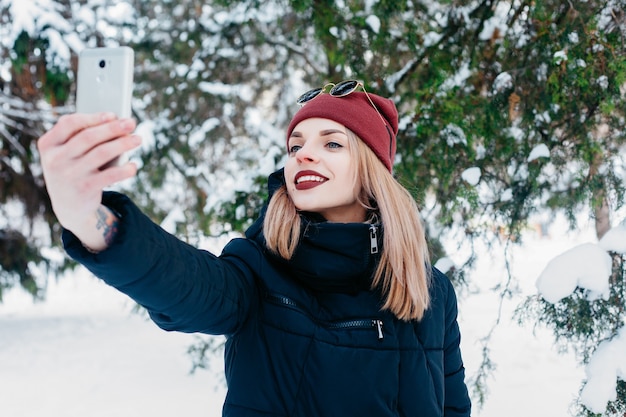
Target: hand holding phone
73 174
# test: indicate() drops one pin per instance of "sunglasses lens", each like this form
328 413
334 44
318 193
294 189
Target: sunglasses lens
344 88
341 89
309 95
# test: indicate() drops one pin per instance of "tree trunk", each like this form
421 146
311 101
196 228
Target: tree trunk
603 217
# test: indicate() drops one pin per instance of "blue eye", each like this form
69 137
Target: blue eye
334 145
294 148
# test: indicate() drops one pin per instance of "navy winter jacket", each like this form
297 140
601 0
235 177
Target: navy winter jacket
304 338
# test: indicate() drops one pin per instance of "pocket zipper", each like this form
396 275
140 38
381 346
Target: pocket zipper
352 324
377 324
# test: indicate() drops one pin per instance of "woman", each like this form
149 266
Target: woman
329 304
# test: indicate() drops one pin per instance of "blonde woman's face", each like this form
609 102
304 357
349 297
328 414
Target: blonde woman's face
321 176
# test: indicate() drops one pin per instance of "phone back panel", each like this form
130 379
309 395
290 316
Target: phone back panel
105 81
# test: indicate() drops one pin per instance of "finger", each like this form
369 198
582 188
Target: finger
69 125
106 152
91 138
86 191
115 174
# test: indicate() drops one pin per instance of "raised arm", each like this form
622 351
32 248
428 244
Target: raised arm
73 156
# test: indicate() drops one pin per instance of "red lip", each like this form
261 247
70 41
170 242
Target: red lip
306 184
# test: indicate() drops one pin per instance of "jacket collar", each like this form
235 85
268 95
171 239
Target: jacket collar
331 257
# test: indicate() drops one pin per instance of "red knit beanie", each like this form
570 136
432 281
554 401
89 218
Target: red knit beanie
355 112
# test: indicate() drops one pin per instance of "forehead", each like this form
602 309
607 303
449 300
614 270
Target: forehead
318 124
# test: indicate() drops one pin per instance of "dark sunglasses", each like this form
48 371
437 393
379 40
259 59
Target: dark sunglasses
341 89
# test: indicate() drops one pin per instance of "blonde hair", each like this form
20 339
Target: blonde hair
403 273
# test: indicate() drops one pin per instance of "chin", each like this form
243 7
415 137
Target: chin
307 209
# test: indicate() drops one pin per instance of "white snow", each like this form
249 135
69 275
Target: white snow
559 57
471 175
587 266
607 364
615 240
121 13
373 22
503 81
539 151
507 195
444 264
496 26
83 352
453 135
603 82
431 38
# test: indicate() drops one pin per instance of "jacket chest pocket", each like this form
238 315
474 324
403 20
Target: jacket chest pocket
290 315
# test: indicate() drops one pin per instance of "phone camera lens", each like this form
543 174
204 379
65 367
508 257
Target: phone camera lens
102 63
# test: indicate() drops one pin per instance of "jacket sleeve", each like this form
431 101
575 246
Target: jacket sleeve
457 402
183 288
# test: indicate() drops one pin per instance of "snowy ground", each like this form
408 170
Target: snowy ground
84 353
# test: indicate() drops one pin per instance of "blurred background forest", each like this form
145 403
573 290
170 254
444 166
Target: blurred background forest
510 112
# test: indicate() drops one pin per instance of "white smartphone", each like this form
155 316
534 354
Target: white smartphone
105 81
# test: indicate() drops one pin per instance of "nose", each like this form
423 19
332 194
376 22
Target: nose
306 154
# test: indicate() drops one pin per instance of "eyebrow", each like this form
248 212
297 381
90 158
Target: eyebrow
331 131
326 132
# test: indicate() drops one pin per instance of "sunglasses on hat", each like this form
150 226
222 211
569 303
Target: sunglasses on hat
340 89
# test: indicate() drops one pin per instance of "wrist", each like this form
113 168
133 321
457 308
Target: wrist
107 223
98 231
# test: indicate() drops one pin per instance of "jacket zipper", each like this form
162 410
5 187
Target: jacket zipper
353 324
373 240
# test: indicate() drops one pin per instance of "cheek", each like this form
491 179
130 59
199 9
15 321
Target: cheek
352 179
359 194
289 170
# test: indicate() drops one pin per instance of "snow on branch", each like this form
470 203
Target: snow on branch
607 364
12 107
586 266
589 266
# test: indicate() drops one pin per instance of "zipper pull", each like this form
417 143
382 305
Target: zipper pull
379 328
373 240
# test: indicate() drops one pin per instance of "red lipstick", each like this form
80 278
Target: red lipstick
308 179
